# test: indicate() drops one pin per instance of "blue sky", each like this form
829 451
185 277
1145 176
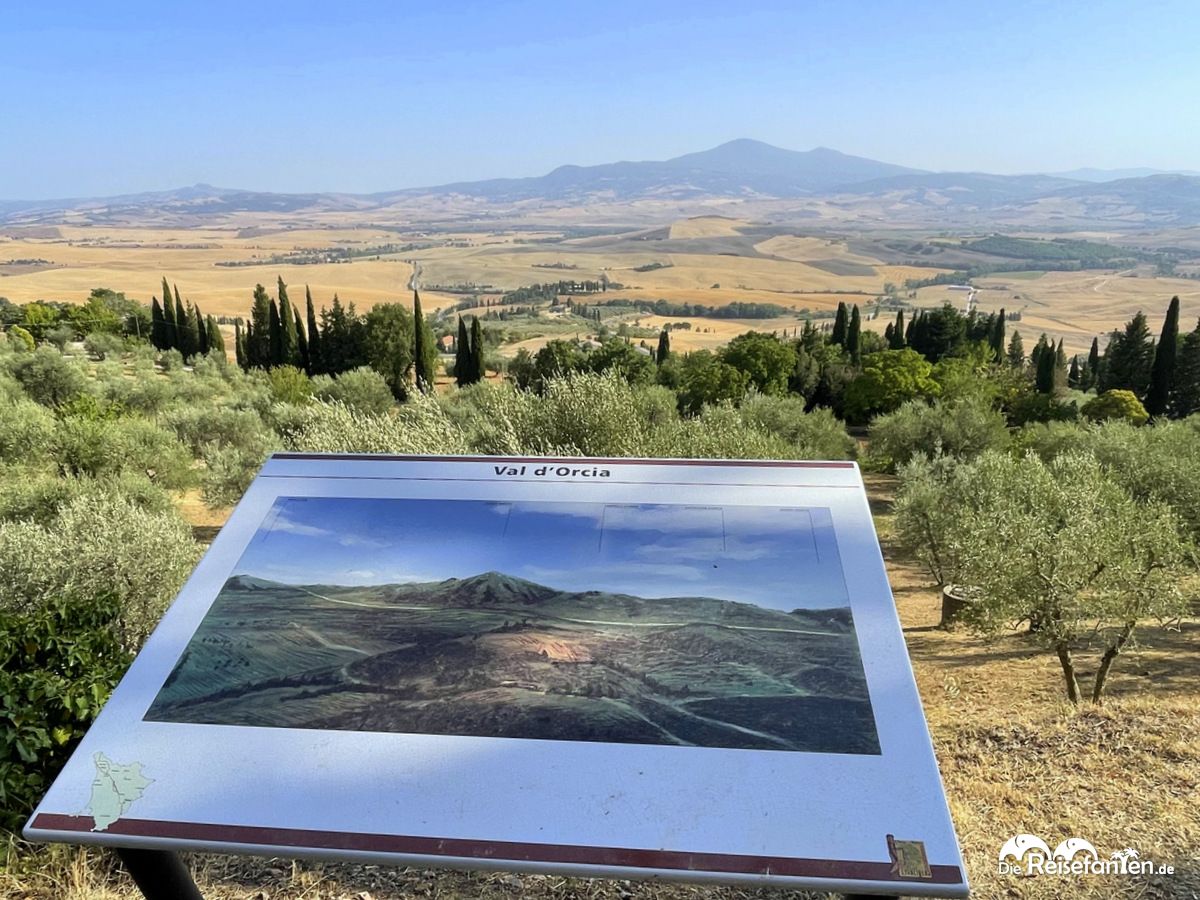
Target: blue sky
122 97
779 558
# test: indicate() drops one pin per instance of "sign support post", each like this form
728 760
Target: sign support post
159 874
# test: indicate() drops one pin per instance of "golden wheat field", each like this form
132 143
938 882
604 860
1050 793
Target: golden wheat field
710 260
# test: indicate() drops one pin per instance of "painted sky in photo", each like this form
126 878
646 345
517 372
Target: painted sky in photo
781 558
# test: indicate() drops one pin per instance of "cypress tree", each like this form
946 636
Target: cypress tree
302 357
462 356
1060 368
424 350
853 334
1035 355
1162 372
202 343
275 337
996 337
158 326
896 342
258 330
1044 363
1185 400
239 346
215 340
477 367
184 343
289 353
889 335
1091 371
170 327
315 363
840 325
664 347
908 331
1074 376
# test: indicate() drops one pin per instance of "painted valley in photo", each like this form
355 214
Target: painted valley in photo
644 623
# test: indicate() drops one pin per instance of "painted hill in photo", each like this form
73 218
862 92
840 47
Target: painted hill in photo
500 656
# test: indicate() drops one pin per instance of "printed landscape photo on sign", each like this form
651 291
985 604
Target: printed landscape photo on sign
707 626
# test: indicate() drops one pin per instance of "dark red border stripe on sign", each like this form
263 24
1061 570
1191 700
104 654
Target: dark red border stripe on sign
577 460
304 839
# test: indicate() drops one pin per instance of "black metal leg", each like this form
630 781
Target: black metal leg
159 874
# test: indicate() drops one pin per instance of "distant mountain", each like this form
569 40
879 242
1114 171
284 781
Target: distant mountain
977 189
741 167
767 181
1087 174
498 590
1154 199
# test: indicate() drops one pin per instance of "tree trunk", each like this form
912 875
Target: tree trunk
1068 668
1106 661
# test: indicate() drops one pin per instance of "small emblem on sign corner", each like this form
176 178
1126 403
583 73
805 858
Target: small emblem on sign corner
908 858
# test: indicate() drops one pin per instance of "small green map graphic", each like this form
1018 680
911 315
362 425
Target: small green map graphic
114 790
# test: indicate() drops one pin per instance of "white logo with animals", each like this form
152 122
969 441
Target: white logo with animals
1028 854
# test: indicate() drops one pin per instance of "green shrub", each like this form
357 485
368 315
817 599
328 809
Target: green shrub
1159 463
172 360
228 471
657 405
58 664
962 428
582 415
1049 439
95 447
362 390
147 392
1120 405
48 377
39 496
925 523
1032 406
888 379
21 339
97 546
222 426
812 435
103 344
59 336
26 430
718 432
289 385
421 426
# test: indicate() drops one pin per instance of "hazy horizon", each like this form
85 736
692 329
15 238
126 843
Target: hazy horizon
137 97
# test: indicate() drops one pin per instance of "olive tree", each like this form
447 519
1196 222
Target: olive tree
1062 544
964 428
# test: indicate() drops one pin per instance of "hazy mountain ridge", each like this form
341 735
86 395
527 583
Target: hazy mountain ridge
502 591
741 170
